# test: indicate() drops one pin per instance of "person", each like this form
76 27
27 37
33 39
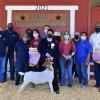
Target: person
33 52
11 37
67 51
29 34
57 39
35 38
3 52
83 51
75 40
45 29
95 43
21 57
48 48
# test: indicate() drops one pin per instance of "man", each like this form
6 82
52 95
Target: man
48 48
3 51
21 57
11 37
57 39
82 57
95 43
45 29
76 41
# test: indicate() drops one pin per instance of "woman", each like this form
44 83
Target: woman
67 51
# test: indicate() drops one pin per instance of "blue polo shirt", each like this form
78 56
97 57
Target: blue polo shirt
83 48
22 52
3 46
11 38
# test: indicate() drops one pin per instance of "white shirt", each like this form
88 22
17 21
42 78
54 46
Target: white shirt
95 43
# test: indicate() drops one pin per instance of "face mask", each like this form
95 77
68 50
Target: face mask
45 31
10 28
97 30
76 37
35 35
25 40
0 35
83 38
0 29
50 36
66 37
29 32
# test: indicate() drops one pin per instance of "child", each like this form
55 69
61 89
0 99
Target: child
33 52
21 57
3 51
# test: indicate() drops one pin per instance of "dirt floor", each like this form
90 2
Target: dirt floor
8 91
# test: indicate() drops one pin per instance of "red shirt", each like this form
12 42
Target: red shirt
66 48
34 42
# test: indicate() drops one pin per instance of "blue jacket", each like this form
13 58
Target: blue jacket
22 52
3 46
45 47
11 38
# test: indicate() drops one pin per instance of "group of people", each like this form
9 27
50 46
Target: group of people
66 53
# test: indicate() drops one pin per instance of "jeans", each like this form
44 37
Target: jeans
97 73
20 68
12 67
66 69
2 68
82 73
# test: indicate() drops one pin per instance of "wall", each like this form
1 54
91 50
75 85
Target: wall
81 15
95 17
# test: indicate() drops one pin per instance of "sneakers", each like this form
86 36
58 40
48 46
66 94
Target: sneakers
84 86
57 91
16 83
69 85
99 89
96 86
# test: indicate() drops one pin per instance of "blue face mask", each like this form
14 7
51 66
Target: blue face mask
66 37
83 38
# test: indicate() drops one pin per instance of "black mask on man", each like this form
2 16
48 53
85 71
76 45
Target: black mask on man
76 37
97 30
50 36
10 28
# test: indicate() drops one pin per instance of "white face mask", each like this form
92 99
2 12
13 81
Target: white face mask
0 35
45 31
66 37
35 35
0 29
25 40
83 38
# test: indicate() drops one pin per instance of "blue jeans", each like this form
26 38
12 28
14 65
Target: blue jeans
20 68
2 68
66 69
12 67
82 73
97 73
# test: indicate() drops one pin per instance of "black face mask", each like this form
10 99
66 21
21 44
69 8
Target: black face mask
50 36
76 37
10 28
97 30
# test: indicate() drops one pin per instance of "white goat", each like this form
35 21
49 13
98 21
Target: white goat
38 77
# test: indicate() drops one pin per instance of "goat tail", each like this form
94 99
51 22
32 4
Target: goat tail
21 73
